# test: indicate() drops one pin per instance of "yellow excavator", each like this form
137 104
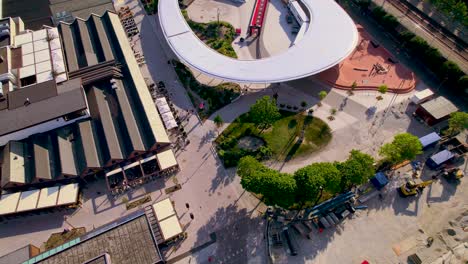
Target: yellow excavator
411 188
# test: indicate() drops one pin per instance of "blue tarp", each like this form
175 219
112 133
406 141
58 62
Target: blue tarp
440 158
379 180
429 139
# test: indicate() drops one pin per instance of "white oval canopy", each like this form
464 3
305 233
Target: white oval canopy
330 37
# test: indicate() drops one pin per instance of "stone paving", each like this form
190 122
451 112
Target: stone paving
215 196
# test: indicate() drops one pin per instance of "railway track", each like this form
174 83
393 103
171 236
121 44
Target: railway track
444 36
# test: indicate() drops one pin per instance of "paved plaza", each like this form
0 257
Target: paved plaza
228 226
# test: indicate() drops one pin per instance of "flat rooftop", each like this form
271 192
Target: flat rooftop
34 13
79 8
130 242
439 107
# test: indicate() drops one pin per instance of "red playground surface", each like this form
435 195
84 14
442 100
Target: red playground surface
370 65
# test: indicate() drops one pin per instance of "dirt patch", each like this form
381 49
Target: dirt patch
138 202
250 143
61 238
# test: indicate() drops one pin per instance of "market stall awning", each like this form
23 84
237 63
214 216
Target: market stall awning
113 172
167 219
48 197
68 194
166 159
39 199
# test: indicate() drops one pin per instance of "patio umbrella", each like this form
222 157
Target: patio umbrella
164 109
167 116
161 101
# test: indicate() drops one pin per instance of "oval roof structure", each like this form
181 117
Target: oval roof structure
330 37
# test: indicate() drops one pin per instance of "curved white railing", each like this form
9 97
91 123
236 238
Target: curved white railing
330 38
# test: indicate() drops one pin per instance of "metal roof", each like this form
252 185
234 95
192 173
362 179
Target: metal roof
13 167
330 38
41 146
65 151
130 242
439 107
129 118
150 113
41 111
99 107
89 146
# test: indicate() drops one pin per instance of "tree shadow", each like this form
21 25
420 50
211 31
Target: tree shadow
223 176
238 236
293 150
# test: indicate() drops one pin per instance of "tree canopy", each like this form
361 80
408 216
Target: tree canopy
357 169
458 122
264 112
322 95
310 178
383 88
218 121
275 187
404 146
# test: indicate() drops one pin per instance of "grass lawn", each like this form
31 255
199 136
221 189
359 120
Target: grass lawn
219 36
283 139
284 136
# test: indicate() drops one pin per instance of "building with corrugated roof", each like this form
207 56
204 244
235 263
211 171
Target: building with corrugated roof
88 110
436 110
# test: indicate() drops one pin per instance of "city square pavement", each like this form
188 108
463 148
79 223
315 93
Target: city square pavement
227 225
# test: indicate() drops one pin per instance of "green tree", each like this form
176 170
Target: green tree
353 88
218 121
251 170
275 187
451 71
458 122
383 88
310 178
264 112
322 95
463 84
279 189
404 146
357 169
